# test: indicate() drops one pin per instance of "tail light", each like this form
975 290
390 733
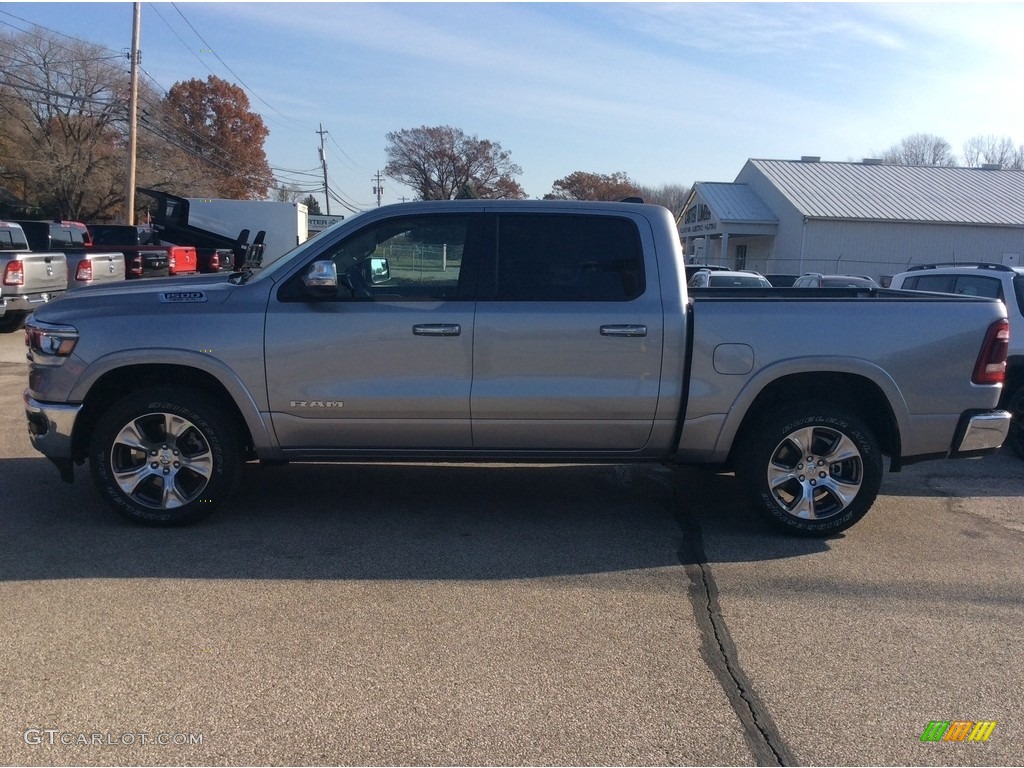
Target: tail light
14 273
215 262
84 272
170 263
136 267
991 365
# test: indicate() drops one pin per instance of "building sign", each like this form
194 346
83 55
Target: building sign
317 222
699 221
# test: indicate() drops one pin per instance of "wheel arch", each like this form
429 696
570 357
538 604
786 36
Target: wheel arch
119 382
856 393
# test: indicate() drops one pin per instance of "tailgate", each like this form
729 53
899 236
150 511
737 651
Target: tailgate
43 273
154 259
88 268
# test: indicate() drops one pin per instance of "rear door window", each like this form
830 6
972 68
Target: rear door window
978 285
545 257
936 283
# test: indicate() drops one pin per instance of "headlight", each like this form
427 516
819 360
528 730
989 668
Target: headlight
48 343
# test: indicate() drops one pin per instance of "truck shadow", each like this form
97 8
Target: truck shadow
387 522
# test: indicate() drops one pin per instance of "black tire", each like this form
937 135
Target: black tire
812 470
12 321
164 456
1015 405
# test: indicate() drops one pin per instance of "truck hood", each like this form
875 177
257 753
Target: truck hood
167 295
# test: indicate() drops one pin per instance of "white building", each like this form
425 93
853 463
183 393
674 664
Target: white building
867 218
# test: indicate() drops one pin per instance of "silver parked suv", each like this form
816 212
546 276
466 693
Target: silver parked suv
996 281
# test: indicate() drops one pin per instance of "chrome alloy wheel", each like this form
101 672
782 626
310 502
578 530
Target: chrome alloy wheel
815 472
161 460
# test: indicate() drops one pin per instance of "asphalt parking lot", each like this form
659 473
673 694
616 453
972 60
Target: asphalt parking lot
454 615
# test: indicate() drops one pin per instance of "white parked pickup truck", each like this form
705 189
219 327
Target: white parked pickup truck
508 331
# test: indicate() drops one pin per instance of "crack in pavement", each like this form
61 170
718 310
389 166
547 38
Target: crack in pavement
719 652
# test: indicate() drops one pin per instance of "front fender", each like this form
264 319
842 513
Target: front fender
243 396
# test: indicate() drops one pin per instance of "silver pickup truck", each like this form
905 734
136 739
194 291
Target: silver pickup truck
27 279
508 331
86 266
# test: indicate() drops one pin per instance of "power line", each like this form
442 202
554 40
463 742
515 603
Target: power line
154 122
341 198
355 166
21 49
235 74
180 38
54 31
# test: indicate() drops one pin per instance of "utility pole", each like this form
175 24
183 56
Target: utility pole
378 188
323 162
133 116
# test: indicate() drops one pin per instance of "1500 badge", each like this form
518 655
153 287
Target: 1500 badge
182 297
317 404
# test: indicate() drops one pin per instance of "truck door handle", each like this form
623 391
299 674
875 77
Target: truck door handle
437 329
624 330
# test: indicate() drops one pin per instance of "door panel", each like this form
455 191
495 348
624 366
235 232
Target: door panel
385 358
567 355
357 374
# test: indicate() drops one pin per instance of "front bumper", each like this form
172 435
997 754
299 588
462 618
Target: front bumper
980 433
50 426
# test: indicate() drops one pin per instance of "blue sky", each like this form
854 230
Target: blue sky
670 93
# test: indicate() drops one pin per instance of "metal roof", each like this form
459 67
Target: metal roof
924 194
735 203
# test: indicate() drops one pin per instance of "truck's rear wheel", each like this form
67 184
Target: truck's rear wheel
1015 437
164 456
814 470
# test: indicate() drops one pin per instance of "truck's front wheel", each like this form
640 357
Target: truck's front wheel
164 456
814 470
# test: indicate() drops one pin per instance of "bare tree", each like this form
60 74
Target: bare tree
288 193
979 150
443 163
581 185
64 101
920 149
672 196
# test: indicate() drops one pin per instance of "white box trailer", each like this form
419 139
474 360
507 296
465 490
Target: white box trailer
286 224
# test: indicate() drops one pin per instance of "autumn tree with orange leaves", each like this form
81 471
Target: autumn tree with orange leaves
212 121
581 185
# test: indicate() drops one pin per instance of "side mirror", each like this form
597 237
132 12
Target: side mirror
322 279
380 270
